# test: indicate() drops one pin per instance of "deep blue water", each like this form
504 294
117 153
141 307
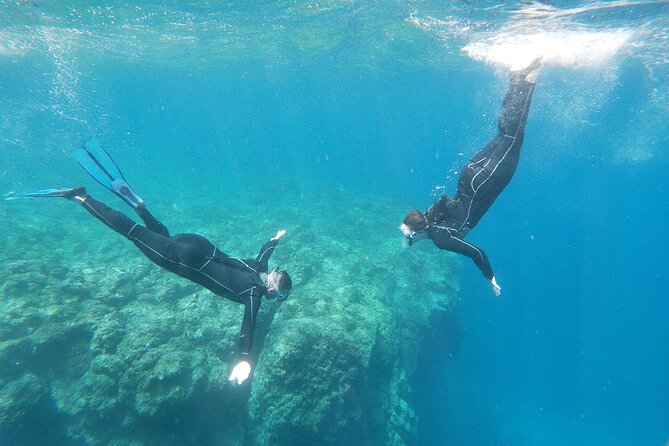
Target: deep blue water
576 350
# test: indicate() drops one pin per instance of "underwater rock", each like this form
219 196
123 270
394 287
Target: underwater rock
108 334
317 387
114 351
27 415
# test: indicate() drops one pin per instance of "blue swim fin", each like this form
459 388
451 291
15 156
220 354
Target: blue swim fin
68 193
97 162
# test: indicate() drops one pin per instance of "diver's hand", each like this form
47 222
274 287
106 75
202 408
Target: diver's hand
279 234
495 288
240 372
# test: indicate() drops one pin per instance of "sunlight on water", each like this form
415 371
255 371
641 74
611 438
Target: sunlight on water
540 10
536 31
565 48
634 154
10 45
596 39
599 35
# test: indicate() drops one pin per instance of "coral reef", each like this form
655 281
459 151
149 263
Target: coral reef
107 349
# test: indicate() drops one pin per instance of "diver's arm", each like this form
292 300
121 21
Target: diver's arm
264 255
251 306
444 240
481 259
267 250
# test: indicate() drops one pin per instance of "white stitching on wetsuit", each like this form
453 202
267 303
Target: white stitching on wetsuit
446 228
101 217
460 240
251 297
243 263
472 246
262 254
130 231
208 260
476 162
471 183
242 292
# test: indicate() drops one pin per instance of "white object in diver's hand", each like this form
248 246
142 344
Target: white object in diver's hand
279 234
241 372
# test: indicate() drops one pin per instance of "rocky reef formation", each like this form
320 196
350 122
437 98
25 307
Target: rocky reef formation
98 346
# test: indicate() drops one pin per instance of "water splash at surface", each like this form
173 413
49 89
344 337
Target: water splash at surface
571 48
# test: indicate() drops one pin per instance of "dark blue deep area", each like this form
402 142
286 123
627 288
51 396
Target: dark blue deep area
575 351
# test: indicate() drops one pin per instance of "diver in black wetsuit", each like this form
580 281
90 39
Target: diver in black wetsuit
195 258
484 177
188 255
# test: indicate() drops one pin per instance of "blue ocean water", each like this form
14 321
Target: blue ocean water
389 99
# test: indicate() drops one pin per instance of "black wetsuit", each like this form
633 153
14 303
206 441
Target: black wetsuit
195 258
483 178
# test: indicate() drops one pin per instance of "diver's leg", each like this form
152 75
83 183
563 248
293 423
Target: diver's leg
158 248
115 220
499 158
512 116
516 104
151 222
489 171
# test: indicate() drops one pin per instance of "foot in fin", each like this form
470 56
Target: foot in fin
123 190
49 193
528 72
97 162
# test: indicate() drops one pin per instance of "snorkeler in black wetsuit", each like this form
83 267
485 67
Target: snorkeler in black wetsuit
195 258
188 255
484 177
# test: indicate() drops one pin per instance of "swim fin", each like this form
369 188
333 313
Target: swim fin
47 193
97 162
